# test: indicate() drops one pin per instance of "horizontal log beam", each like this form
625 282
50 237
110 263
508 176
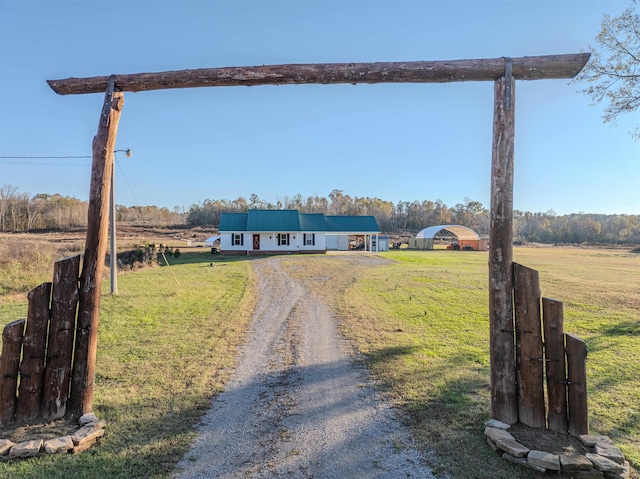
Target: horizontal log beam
524 68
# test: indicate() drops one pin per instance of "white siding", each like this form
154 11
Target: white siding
343 243
320 243
383 243
226 242
266 243
338 242
269 242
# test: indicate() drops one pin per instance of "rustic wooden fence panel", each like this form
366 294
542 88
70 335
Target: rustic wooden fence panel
564 406
553 323
61 335
35 365
9 365
529 356
577 385
34 345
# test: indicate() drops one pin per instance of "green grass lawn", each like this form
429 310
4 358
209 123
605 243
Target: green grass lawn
165 347
423 324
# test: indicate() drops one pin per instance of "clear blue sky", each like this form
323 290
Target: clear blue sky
396 142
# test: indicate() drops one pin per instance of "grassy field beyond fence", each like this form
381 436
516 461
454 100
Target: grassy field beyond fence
422 322
165 346
421 319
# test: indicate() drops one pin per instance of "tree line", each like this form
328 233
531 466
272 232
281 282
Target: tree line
19 212
409 217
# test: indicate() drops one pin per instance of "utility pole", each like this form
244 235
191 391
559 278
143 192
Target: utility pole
112 223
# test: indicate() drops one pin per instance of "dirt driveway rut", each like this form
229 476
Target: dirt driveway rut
297 406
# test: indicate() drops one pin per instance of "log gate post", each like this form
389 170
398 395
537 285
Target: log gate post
504 399
95 251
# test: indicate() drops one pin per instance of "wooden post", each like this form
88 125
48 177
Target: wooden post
577 385
95 250
529 357
482 69
504 404
9 364
57 372
553 321
34 344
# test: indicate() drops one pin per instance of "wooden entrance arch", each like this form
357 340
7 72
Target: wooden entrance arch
502 71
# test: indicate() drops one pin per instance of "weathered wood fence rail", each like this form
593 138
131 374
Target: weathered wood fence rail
560 356
37 352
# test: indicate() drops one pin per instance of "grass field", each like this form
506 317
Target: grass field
165 348
421 321
423 324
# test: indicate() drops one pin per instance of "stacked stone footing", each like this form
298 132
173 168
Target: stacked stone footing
86 436
605 460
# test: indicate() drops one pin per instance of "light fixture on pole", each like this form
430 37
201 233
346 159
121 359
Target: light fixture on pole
112 224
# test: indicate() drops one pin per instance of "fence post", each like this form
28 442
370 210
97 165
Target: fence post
529 356
577 386
9 364
34 344
61 330
553 321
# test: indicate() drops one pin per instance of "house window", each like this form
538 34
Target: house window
309 239
283 239
238 239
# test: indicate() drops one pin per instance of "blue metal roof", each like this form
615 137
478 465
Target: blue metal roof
273 220
233 222
290 220
312 222
352 224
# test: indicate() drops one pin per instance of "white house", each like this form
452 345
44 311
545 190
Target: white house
288 231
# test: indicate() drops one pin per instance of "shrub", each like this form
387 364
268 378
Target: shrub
25 263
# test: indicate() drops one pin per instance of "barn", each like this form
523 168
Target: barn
466 238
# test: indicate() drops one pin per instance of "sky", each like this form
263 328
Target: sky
397 142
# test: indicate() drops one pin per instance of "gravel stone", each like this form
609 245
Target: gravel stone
297 405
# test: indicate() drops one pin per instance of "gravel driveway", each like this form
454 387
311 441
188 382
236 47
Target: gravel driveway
298 406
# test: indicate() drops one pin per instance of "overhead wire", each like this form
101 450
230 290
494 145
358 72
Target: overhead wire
38 164
43 157
127 182
68 157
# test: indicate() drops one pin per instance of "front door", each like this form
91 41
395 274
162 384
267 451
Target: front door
256 242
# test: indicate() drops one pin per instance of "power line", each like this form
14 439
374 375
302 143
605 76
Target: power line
59 164
126 181
31 163
42 157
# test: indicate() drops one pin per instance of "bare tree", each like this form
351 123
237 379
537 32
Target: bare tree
614 69
7 194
